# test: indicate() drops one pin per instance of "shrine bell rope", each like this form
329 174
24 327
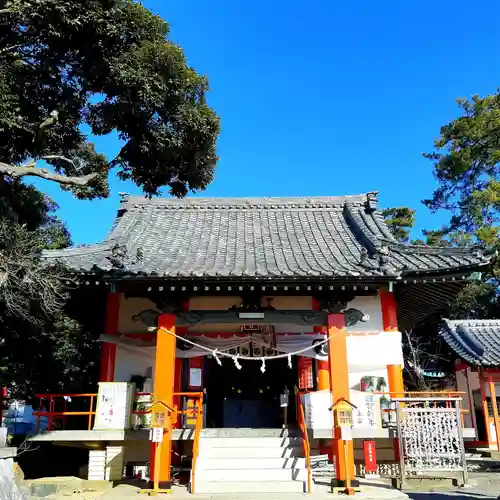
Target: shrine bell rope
235 357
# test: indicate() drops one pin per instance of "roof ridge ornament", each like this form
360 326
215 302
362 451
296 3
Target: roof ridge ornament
371 202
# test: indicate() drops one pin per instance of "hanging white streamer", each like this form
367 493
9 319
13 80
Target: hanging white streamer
263 367
216 353
290 361
236 363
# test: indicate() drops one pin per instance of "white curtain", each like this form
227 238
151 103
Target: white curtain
284 344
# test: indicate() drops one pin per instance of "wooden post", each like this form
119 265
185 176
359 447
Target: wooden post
343 454
496 420
482 387
108 350
164 391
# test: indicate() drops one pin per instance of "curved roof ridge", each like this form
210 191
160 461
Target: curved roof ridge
247 202
81 250
477 341
475 251
473 322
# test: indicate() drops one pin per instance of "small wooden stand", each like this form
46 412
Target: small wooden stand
162 416
342 418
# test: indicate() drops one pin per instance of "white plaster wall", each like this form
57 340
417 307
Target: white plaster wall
367 305
474 380
374 351
222 303
209 303
129 307
133 361
469 418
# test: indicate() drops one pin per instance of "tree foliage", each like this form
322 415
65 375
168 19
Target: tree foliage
103 66
70 70
400 221
466 162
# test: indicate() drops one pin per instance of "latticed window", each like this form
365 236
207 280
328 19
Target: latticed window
345 417
490 406
159 419
306 377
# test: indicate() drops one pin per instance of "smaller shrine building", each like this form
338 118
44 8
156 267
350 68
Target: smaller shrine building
476 344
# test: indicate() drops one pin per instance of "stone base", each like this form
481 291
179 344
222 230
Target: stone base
340 483
163 485
426 483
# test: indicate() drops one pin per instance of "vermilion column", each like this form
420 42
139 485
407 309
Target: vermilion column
323 377
394 372
108 350
390 322
164 381
339 383
322 366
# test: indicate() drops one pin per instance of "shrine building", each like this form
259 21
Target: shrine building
256 302
476 348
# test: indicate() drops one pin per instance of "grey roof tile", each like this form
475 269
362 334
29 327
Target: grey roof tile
475 341
319 237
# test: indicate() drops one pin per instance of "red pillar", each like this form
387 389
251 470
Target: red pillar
394 372
339 383
322 379
108 350
164 382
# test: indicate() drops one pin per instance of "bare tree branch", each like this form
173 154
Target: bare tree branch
30 170
11 47
52 118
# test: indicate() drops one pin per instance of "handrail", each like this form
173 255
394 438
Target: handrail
51 412
305 443
196 440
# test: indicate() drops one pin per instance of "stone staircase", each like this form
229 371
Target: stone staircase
250 461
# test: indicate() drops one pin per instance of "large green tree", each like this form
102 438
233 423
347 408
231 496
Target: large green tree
68 67
70 71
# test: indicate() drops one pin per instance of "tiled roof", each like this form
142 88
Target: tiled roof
475 341
319 237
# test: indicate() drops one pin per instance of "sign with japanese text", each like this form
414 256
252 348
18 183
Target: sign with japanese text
370 457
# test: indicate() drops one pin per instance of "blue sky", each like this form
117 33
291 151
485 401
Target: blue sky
322 97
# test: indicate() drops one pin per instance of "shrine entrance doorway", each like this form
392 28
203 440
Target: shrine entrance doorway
248 398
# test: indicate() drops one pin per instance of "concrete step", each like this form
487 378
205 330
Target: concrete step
248 442
204 463
247 452
233 475
252 433
249 486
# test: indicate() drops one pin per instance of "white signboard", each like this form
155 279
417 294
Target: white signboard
316 410
319 417
195 375
367 413
156 434
114 406
346 433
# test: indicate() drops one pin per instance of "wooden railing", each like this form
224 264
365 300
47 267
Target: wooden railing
56 401
196 440
52 413
305 442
